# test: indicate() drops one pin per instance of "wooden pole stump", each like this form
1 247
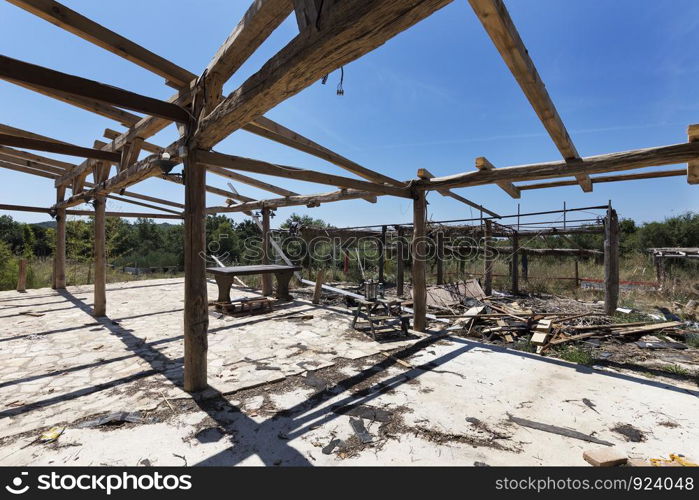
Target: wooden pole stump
488 258
22 278
611 261
318 291
100 291
419 253
266 235
515 263
400 261
59 259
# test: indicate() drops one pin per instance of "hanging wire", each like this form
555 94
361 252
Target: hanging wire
340 90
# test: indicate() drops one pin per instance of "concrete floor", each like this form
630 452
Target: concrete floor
279 382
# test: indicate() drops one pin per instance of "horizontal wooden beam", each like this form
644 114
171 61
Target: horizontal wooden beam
85 28
503 32
44 210
13 69
349 30
607 178
146 146
57 147
56 171
693 166
626 160
290 201
27 169
140 203
209 158
37 158
423 173
482 163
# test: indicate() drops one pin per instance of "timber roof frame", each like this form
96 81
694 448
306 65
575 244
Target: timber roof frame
350 27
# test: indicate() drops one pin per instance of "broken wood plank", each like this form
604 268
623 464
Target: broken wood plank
554 429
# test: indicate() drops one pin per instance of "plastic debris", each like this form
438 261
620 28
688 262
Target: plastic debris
51 435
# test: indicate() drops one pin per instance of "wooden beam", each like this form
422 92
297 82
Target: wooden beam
85 28
59 257
313 200
139 203
13 69
94 106
263 17
100 256
693 166
210 158
351 29
43 210
57 147
64 165
401 248
55 171
611 262
488 257
423 173
419 255
607 178
269 129
626 160
482 163
266 236
18 132
137 172
502 31
250 181
196 314
146 146
26 170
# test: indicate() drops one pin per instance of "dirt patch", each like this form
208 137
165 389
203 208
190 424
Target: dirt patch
630 433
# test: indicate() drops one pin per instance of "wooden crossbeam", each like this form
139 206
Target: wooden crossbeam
18 132
27 169
146 146
626 160
259 21
350 29
250 181
290 201
423 173
98 107
607 178
693 166
37 158
269 129
482 163
147 205
57 147
85 28
32 164
13 69
503 32
260 167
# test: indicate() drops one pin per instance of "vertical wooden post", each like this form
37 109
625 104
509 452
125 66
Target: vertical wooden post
611 261
400 261
100 307
515 263
440 258
317 292
525 266
488 258
577 274
196 314
419 253
266 278
22 278
382 254
59 258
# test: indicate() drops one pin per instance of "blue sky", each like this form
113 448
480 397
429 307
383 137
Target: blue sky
623 75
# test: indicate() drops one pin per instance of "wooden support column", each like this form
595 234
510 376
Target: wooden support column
525 267
400 261
59 259
440 258
100 307
382 254
196 315
318 290
577 274
419 254
22 278
488 258
515 263
611 261
266 278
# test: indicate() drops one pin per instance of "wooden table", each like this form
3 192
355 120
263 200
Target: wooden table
390 308
224 278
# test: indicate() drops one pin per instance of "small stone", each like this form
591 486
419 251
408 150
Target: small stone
605 457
